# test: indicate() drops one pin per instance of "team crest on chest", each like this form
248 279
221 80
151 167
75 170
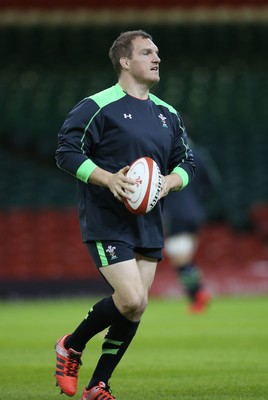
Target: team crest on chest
163 120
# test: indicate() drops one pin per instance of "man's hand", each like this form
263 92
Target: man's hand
119 182
170 183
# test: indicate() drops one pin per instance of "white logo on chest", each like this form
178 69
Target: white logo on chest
163 120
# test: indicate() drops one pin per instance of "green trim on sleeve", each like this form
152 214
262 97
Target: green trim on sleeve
160 102
183 174
108 96
85 170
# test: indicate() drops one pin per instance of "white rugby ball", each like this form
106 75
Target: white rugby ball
147 177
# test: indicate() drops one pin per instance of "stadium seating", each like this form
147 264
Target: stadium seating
215 75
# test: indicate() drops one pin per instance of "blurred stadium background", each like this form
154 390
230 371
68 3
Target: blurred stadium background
214 70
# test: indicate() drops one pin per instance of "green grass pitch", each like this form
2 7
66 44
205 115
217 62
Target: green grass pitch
220 355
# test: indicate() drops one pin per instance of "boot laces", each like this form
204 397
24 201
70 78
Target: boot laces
73 365
106 390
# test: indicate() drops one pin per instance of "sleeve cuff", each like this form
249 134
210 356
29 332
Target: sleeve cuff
85 170
183 174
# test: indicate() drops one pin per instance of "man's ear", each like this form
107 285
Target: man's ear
124 62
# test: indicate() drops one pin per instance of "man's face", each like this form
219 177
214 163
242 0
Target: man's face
144 64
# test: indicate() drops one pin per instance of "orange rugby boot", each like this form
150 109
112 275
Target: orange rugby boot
68 363
201 302
99 392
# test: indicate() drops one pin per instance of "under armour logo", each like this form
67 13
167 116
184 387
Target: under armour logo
128 116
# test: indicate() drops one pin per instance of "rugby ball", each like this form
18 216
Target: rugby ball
147 185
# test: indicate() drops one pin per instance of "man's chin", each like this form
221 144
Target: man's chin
154 81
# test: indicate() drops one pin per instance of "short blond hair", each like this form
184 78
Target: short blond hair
123 47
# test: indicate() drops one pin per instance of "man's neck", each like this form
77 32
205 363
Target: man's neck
140 91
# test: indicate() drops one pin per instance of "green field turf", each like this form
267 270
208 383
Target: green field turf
221 355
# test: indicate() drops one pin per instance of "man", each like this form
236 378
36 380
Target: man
99 139
184 215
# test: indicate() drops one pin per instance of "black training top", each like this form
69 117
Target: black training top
112 129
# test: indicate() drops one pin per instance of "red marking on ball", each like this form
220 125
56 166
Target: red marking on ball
147 177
